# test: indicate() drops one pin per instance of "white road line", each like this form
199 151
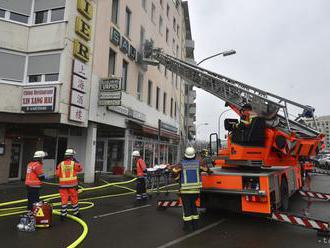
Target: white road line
122 211
173 242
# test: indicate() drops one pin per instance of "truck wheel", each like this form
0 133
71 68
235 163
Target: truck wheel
284 195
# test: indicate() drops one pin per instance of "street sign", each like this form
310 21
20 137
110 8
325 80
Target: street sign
110 84
105 95
109 102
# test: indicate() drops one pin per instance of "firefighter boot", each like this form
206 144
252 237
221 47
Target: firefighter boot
195 225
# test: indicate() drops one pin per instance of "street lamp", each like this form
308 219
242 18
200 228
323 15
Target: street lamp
224 53
219 125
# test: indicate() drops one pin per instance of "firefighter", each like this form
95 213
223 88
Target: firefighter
190 184
141 168
34 175
206 158
67 171
247 114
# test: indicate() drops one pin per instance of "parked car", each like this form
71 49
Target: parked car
324 162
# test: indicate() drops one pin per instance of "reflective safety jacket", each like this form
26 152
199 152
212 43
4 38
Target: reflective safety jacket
140 167
248 117
190 181
67 173
33 172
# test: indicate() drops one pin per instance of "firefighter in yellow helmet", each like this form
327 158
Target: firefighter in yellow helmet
189 176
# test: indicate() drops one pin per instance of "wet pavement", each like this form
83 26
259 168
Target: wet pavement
119 222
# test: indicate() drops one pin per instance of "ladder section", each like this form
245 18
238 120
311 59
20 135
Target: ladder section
236 93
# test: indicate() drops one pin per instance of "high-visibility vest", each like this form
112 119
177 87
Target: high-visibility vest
67 174
33 172
190 177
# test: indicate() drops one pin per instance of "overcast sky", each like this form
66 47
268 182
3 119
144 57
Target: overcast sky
283 46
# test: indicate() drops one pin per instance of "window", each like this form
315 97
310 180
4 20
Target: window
171 110
41 17
114 11
167 10
174 24
2 13
124 75
149 92
128 21
139 89
112 63
51 77
157 97
164 102
172 77
175 109
10 72
161 3
34 78
144 4
166 36
160 24
176 80
177 29
177 51
18 17
153 10
57 15
165 72
142 37
173 44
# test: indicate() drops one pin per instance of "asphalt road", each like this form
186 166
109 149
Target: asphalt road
120 222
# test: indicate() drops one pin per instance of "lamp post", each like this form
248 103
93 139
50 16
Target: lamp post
219 125
224 53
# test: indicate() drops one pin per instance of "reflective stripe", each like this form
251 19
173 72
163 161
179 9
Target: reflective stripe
67 168
195 217
187 218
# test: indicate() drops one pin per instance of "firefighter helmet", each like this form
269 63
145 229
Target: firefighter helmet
136 154
40 154
69 152
190 152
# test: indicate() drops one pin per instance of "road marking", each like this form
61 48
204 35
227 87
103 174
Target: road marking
122 211
191 234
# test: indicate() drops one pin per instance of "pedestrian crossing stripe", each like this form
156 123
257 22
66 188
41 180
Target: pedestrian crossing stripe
40 213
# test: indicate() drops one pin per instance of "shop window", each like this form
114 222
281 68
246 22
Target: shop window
139 89
153 10
115 11
49 146
18 17
41 17
149 92
124 75
128 21
2 13
112 62
57 15
34 78
157 97
51 77
171 109
164 102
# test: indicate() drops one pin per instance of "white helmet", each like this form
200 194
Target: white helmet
40 154
69 152
136 154
190 152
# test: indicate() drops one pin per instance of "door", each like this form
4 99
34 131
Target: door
115 154
100 157
15 162
62 144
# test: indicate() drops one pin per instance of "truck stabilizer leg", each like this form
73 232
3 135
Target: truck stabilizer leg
164 204
317 195
321 226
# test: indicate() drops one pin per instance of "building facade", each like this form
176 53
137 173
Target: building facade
58 62
322 125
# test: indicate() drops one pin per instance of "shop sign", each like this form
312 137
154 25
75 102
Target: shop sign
80 50
80 68
128 112
109 102
110 84
78 98
116 95
83 28
132 53
77 114
79 83
115 36
85 8
168 127
38 99
124 45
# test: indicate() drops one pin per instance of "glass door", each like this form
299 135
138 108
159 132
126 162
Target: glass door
15 162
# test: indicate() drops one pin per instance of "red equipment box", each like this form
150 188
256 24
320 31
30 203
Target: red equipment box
43 213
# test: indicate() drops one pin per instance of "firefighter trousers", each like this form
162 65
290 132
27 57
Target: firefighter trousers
66 194
141 188
33 196
190 212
